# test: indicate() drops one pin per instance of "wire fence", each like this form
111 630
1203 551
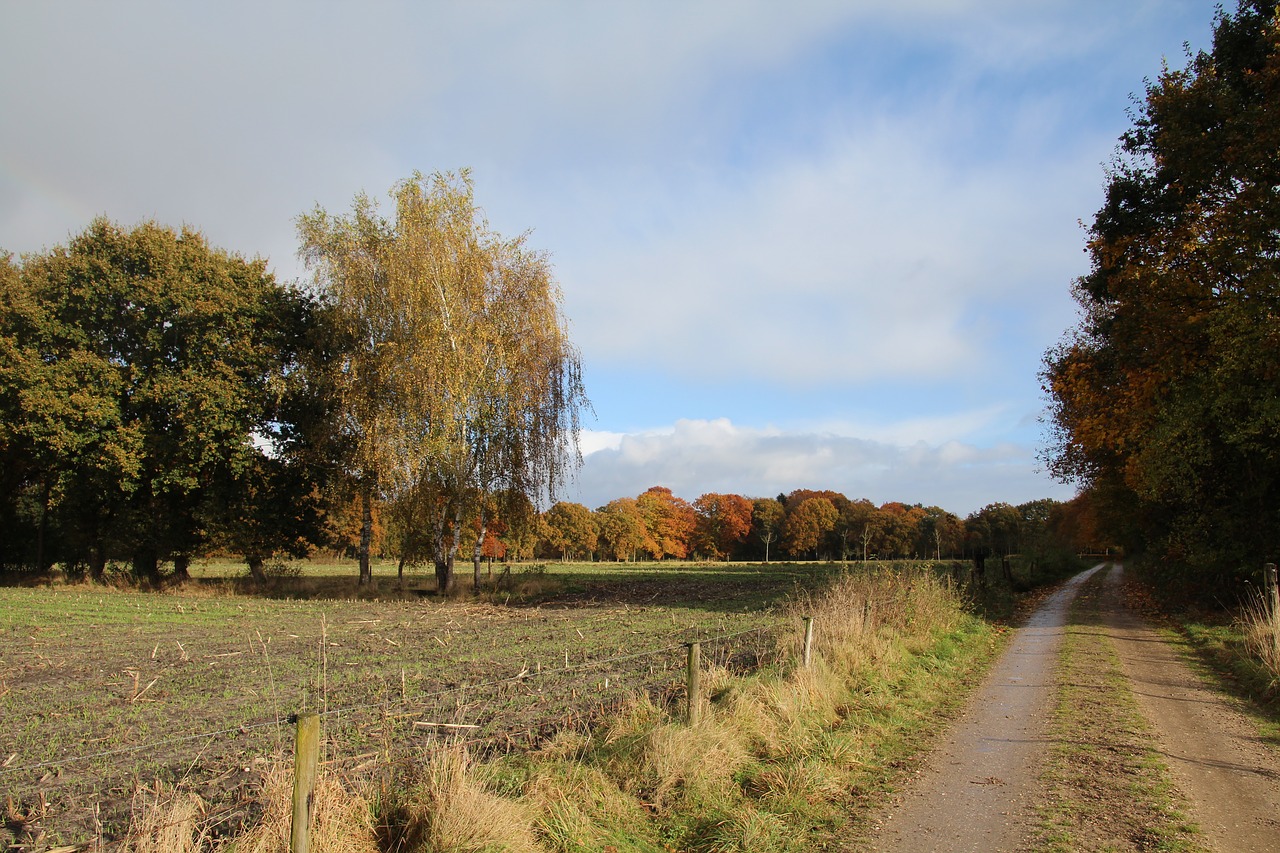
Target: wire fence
89 796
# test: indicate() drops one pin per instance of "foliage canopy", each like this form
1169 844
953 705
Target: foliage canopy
1164 399
143 375
458 381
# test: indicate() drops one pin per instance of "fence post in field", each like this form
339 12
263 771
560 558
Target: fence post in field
808 641
306 754
1273 589
693 688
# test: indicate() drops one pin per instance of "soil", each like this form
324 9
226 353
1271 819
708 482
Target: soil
109 699
989 783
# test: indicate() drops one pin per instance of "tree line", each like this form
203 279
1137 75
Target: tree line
1166 396
802 525
162 399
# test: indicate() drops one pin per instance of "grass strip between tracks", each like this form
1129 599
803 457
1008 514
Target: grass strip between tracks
1105 788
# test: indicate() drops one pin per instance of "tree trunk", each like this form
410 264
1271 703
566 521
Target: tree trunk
181 566
444 573
97 562
256 571
478 556
146 564
366 535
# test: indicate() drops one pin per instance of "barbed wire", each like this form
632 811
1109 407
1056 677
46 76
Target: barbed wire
383 760
244 728
418 701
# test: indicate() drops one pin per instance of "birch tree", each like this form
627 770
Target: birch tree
460 383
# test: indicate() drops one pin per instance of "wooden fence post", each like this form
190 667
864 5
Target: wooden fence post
693 689
1273 589
808 641
306 754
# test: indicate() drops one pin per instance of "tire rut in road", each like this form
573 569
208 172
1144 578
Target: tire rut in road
1214 752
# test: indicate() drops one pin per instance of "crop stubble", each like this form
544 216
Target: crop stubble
206 683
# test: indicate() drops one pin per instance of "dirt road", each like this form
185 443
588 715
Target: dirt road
981 788
1213 752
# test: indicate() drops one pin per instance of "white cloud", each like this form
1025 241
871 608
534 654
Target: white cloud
872 260
797 198
694 457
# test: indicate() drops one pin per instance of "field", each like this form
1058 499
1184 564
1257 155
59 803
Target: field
107 696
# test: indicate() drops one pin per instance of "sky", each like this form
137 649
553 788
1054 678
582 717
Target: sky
813 244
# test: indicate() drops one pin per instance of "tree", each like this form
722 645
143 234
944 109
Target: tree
571 530
517 526
622 528
1074 525
939 531
669 522
1164 396
767 517
897 528
859 522
459 380
808 524
143 375
994 529
723 523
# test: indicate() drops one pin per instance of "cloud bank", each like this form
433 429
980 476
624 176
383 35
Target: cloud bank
696 457
792 233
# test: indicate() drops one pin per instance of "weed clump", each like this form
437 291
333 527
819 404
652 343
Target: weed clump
449 808
1261 629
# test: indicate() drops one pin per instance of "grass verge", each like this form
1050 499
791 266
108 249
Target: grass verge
1105 788
1239 655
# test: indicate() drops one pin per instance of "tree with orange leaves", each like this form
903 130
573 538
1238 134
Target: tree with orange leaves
1164 397
670 522
807 526
723 523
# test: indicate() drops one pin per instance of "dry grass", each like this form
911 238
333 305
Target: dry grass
1261 629
178 822
166 822
451 810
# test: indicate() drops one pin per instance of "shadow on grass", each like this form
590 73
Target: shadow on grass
709 586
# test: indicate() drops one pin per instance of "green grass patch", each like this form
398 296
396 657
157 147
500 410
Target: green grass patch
1220 652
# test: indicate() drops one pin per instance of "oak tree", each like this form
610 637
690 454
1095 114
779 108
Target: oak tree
621 529
723 523
808 525
142 374
1163 399
571 530
669 522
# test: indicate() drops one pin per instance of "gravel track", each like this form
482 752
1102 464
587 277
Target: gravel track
975 792
979 789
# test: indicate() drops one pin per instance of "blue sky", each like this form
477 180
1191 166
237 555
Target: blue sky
804 245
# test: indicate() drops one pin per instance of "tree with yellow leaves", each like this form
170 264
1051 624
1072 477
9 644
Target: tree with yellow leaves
458 380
